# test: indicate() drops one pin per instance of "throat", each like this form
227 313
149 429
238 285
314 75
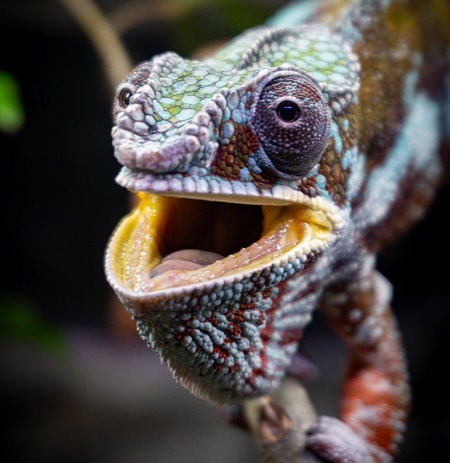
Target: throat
198 233
214 227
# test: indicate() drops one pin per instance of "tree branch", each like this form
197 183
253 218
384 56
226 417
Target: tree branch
279 423
104 38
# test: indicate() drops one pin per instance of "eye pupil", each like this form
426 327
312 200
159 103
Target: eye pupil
124 97
288 111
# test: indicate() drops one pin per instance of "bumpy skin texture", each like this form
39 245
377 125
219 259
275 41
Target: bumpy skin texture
338 128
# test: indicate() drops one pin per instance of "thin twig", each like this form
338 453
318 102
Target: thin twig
135 13
279 423
104 38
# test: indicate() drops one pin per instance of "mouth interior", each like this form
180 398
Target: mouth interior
221 228
171 242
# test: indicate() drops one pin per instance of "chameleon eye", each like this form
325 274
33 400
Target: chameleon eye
288 111
124 97
292 123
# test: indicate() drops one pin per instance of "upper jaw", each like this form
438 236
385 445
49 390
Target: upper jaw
174 155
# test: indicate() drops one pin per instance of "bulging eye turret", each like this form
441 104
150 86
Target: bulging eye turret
292 123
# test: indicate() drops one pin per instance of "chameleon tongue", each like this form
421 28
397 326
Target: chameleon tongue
177 272
187 259
195 256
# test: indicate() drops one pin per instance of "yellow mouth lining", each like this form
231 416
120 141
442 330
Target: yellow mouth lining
138 243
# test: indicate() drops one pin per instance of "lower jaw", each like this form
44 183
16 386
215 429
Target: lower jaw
223 328
161 225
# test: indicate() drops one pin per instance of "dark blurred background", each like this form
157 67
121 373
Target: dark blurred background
76 382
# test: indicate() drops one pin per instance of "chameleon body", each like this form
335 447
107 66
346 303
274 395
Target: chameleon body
270 175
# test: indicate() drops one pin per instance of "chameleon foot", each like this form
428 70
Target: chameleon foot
335 442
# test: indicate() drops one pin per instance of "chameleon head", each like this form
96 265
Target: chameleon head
234 198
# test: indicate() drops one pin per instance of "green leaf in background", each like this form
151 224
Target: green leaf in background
21 321
12 115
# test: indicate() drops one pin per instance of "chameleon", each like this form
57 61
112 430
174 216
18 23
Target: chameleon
268 178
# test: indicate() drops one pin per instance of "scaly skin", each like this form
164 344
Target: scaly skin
269 177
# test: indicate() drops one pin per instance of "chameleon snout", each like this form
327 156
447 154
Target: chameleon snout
172 150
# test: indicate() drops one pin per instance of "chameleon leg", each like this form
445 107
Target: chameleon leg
376 393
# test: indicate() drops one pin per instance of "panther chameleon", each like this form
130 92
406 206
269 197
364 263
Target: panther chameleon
269 177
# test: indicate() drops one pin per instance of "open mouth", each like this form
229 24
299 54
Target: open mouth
174 242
